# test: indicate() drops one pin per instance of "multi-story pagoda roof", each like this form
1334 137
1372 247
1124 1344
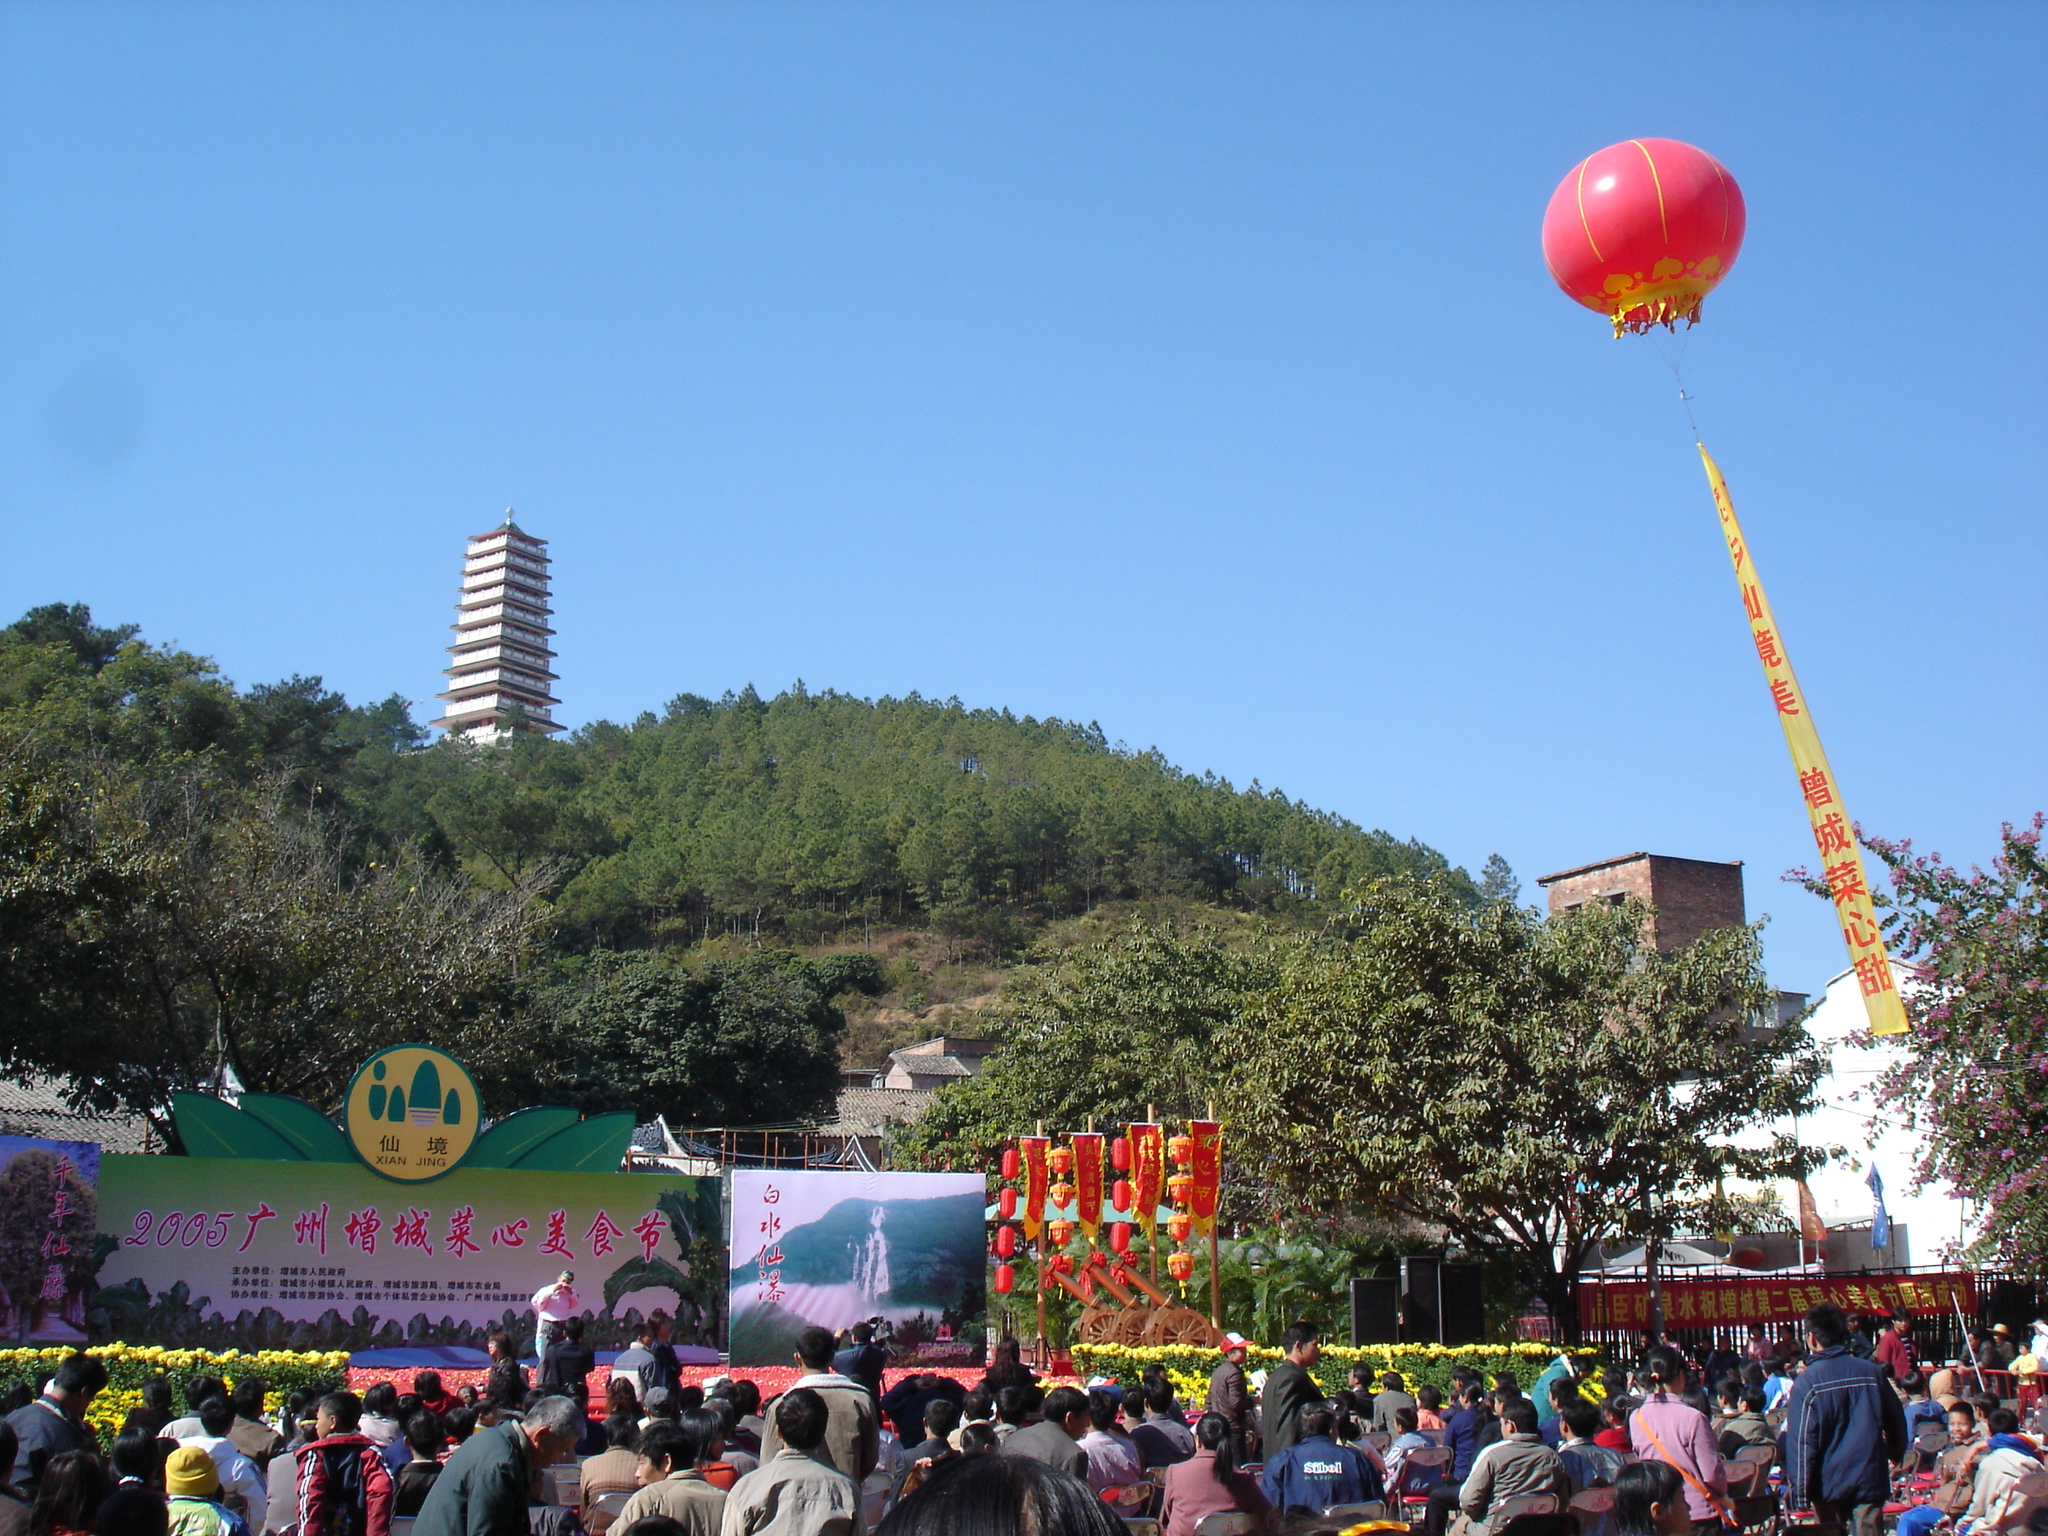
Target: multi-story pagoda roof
503 664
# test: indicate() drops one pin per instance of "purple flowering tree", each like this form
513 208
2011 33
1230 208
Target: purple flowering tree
1975 1078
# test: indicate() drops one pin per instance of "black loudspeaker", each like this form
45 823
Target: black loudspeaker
1374 1311
1464 1309
1422 1303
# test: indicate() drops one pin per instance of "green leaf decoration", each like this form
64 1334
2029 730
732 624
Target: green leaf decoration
316 1138
211 1127
641 1275
518 1134
594 1146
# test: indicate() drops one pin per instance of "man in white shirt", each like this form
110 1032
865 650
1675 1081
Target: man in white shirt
556 1304
1112 1459
238 1474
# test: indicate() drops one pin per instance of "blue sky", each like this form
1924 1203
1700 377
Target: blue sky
1189 368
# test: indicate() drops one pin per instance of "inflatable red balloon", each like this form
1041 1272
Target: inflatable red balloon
1643 230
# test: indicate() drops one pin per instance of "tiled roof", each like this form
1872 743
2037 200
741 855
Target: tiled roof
864 1111
934 1066
35 1106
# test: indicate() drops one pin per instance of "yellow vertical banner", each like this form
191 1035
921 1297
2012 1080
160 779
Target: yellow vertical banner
1833 832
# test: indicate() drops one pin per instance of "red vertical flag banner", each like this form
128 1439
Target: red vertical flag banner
1034 1149
1207 1169
1148 1173
1088 1181
1833 833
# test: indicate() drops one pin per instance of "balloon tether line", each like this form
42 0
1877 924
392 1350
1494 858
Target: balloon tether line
1676 365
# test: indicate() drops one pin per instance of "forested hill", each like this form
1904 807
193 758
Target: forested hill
800 818
814 811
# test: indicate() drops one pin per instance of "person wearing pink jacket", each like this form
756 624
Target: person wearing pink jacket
1671 1431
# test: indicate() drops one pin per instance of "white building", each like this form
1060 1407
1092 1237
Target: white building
1870 1135
502 657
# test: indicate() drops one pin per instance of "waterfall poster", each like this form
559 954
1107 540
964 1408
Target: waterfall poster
906 1251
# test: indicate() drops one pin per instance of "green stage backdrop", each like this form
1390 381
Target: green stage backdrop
241 1252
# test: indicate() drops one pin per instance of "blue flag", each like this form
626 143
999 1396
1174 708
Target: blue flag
1880 1222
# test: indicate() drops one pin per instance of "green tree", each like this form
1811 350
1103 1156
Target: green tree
751 1041
192 925
1531 1087
1107 1030
1975 1066
1498 882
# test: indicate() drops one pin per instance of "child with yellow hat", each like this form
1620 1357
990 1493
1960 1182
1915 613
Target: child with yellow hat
192 1483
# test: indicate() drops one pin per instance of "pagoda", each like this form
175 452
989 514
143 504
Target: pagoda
502 657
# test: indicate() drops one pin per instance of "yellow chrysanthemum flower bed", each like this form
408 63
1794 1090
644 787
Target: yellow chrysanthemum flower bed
283 1372
1419 1364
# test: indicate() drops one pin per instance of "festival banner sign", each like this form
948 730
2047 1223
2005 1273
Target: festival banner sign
1207 1169
1771 1299
48 1206
1833 832
1037 1180
1148 1172
275 1254
906 1251
1088 1182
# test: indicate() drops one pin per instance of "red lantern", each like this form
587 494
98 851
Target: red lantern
1181 1149
1179 1225
1120 1154
1061 1263
1179 1186
1060 1160
1006 1278
1062 1194
1006 1204
1643 230
1006 1242
1180 1266
1120 1236
1010 1163
1060 1232
1120 1194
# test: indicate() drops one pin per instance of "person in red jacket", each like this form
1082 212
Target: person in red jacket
1895 1347
344 1485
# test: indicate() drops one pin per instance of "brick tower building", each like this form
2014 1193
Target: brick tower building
501 653
1689 895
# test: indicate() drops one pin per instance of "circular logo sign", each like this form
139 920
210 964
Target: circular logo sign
411 1113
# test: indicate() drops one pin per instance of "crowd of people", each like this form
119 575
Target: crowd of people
835 1454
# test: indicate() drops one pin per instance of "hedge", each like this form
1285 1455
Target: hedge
130 1365
1419 1364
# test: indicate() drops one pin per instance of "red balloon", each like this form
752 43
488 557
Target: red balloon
1643 230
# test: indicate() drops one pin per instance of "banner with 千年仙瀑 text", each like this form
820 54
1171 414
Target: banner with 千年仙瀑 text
1770 1299
48 1205
256 1254
1834 835
907 1252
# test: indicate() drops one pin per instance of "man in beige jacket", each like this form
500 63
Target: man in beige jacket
853 1433
671 1485
794 1492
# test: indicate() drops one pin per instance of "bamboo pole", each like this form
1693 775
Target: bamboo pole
1044 1347
1152 1216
